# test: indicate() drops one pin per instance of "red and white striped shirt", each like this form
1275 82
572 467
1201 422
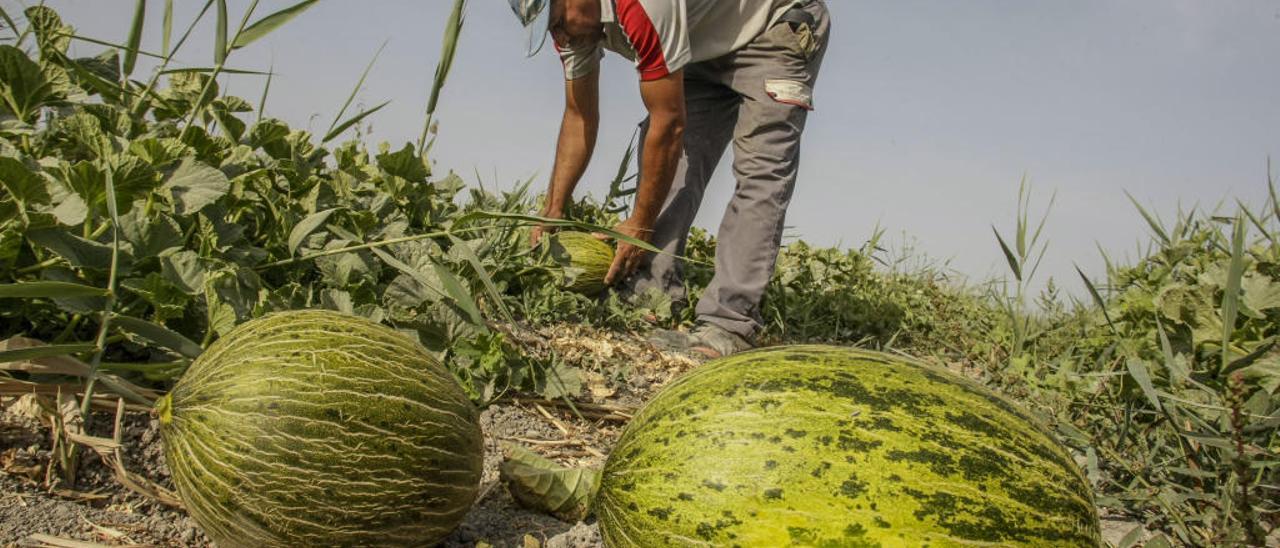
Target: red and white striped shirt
662 36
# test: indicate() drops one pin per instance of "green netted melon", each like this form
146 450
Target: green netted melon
315 428
824 446
584 260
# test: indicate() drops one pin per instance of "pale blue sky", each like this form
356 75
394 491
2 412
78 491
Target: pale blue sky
929 112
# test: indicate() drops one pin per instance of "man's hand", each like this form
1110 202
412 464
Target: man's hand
539 230
627 257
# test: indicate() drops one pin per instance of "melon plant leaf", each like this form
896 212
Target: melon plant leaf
1260 293
30 290
268 23
220 316
195 185
405 164
306 226
79 252
24 88
540 484
21 183
1264 374
185 270
52 36
158 334
150 235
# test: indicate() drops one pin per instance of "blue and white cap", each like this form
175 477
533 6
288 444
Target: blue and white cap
533 14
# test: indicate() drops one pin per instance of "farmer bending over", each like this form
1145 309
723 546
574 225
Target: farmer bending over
712 72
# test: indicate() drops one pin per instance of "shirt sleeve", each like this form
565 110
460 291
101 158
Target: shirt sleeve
580 61
659 34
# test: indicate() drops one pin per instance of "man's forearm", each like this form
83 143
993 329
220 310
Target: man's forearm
576 143
573 152
663 145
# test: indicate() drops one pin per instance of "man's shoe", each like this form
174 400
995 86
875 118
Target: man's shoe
707 340
713 341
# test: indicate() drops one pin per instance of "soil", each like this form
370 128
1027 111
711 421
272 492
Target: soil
620 373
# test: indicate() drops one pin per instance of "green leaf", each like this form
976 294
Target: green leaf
495 296
264 26
540 484
306 226
195 185
405 164
221 316
47 289
46 351
150 235
220 35
337 130
1097 299
1231 293
135 36
1008 255
186 271
158 334
81 253
1264 373
1156 226
21 183
52 36
166 34
24 88
1138 370
459 294
1260 293
166 299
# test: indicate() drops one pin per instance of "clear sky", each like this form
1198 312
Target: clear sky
929 112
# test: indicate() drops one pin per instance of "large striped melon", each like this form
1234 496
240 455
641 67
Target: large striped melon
584 261
824 446
315 428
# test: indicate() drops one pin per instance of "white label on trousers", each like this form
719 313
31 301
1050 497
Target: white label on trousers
790 92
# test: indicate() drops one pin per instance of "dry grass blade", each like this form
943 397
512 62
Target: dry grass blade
15 387
49 541
111 451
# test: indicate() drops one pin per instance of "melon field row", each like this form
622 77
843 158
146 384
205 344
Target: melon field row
143 218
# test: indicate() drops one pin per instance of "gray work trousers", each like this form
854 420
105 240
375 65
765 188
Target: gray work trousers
757 98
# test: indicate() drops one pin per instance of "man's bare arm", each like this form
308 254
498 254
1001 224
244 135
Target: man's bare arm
578 130
663 144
